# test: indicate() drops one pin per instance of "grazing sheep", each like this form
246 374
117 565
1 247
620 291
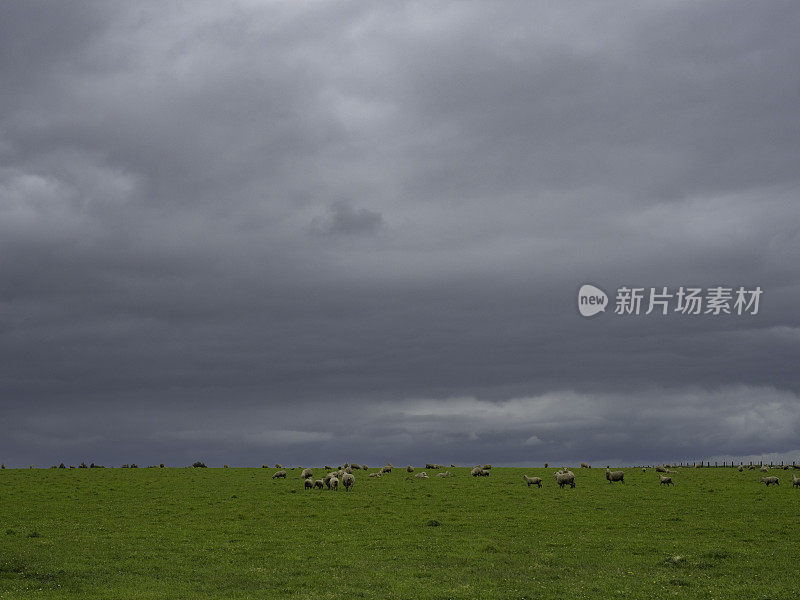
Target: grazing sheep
785 467
430 466
333 484
644 470
279 474
308 484
328 468
386 469
348 479
410 469
375 474
487 467
475 471
348 469
567 478
532 480
741 468
764 469
364 467
615 476
445 474
327 479
661 469
666 480
278 466
306 474
751 467
768 480
795 481
319 483
545 465
422 475
585 466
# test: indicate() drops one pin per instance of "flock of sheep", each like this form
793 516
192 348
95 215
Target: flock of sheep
564 477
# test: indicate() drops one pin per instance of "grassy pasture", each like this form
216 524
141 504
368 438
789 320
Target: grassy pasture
236 533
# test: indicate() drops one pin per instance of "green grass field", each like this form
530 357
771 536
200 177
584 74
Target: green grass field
236 533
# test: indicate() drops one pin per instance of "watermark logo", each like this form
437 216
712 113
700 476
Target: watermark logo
684 300
591 300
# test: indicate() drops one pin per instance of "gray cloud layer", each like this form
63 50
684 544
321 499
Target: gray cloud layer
309 232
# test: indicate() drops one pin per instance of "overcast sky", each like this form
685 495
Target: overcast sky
303 233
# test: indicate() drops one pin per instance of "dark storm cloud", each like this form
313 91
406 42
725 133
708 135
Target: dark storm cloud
299 232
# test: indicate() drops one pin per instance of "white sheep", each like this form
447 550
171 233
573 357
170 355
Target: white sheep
666 480
306 474
445 474
563 479
615 476
319 483
532 480
769 480
795 481
279 474
376 474
422 475
333 484
308 484
348 479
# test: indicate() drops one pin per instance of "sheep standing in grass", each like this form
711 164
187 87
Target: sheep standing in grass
386 469
306 474
279 474
563 479
363 467
475 471
769 480
764 469
376 474
445 474
741 468
410 469
666 480
661 469
422 475
348 479
585 466
532 480
333 484
615 476
795 481
308 484
319 483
